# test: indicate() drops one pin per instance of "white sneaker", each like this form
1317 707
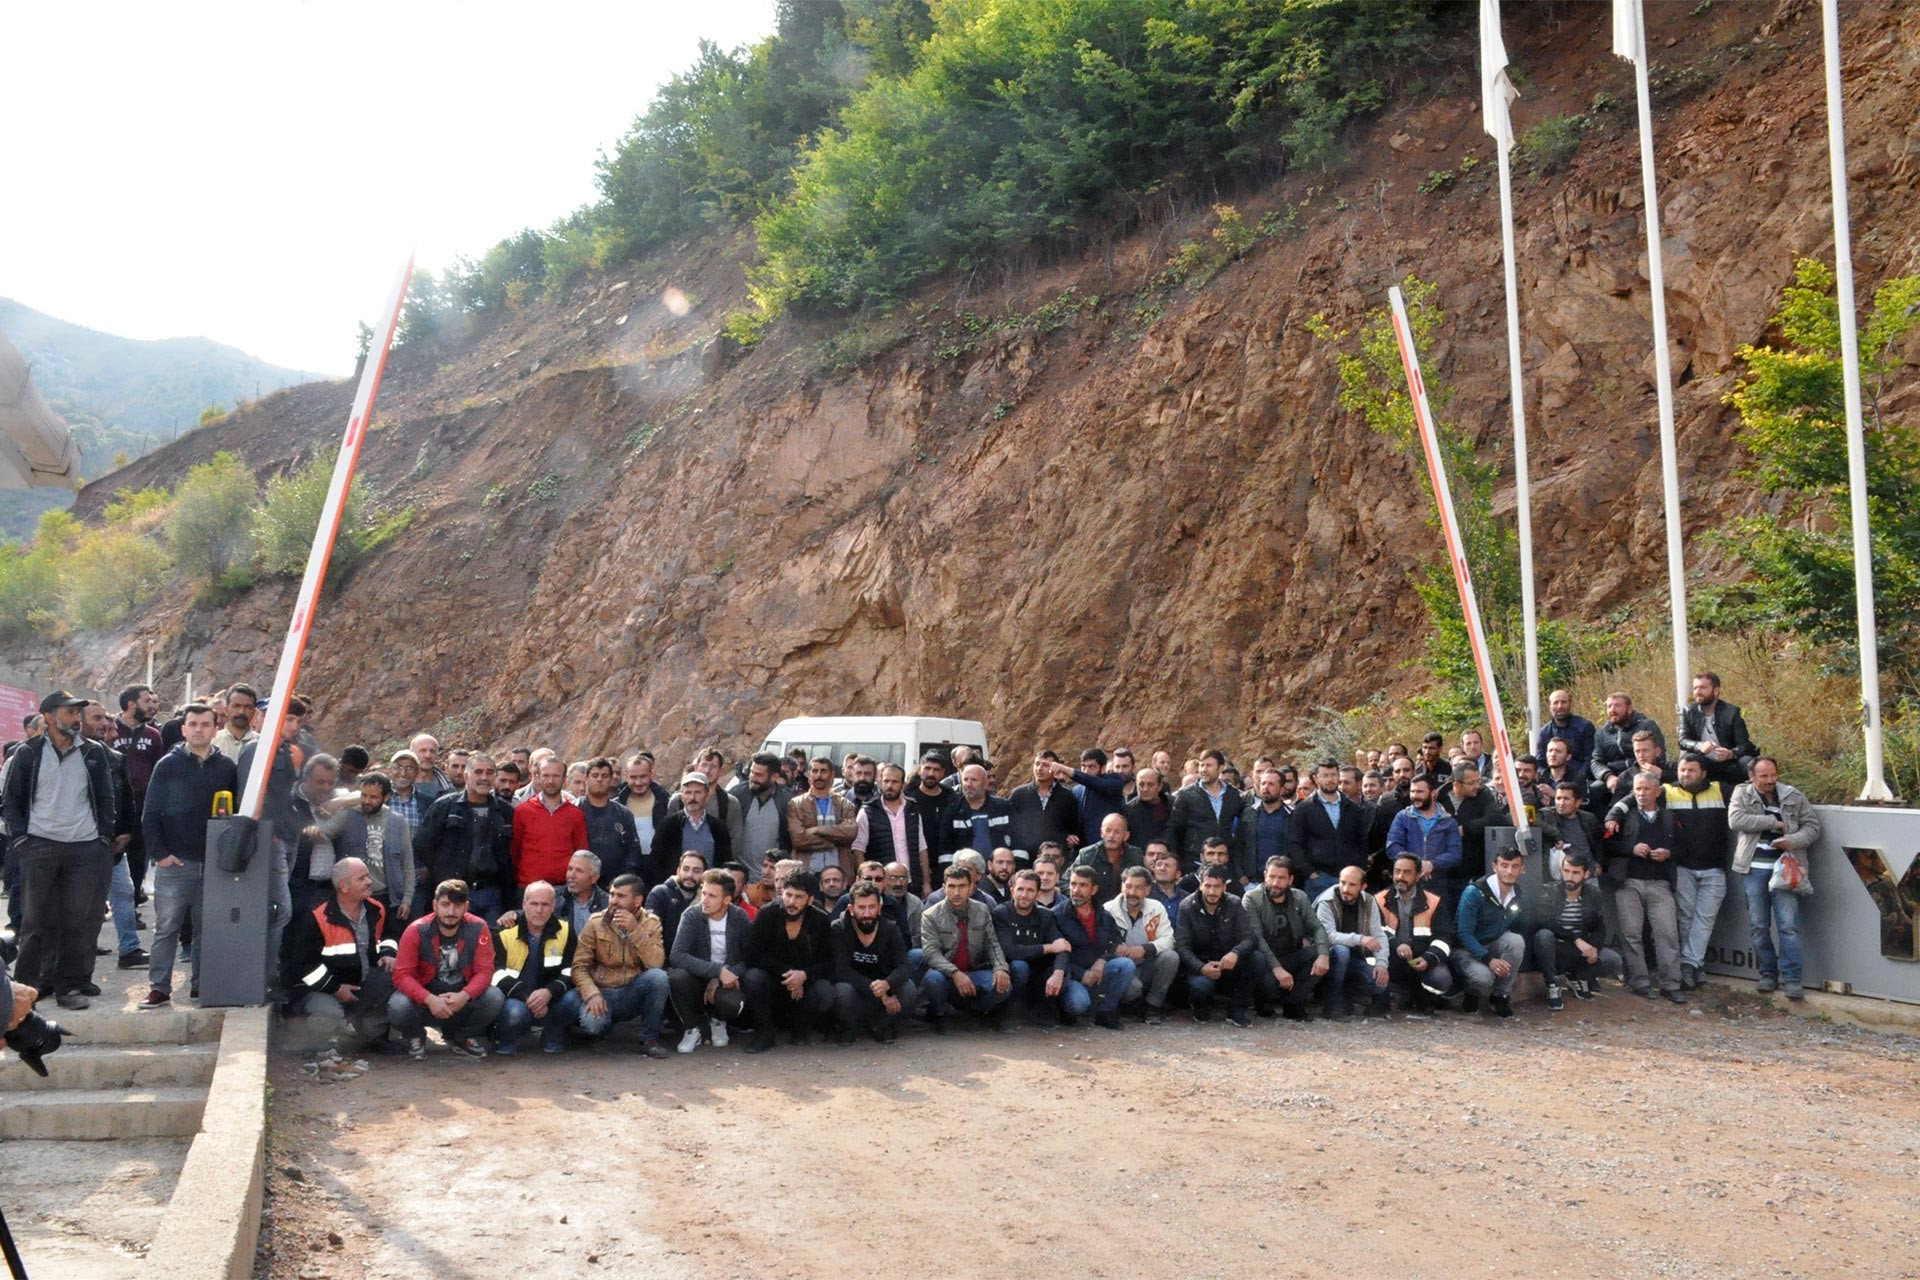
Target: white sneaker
719 1035
690 1041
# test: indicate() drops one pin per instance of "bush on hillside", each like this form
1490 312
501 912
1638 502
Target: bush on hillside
111 573
210 529
289 513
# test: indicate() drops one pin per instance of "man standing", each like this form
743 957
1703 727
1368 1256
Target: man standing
535 957
1098 792
1207 809
1569 829
886 829
872 981
619 969
139 744
790 964
231 740
962 951
1773 820
763 813
1093 939
691 829
444 974
1146 940
547 828
821 826
1611 765
61 810
610 830
975 819
97 725
1290 944
1150 809
1431 835
1562 723
643 798
1215 940
467 835
1490 909
1359 946
375 835
1640 845
1043 810
338 970
433 782
708 963
1475 808
1327 832
1715 729
1699 812
179 804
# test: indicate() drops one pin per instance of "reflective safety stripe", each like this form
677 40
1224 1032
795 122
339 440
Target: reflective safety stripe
1440 945
338 949
567 973
1423 931
390 947
318 976
505 973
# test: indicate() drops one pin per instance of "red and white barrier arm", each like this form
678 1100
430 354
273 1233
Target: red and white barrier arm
1457 556
301 625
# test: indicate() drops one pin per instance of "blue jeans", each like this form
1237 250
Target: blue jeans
1076 999
644 998
1349 974
516 1020
1318 883
1770 911
1698 894
176 905
940 996
120 898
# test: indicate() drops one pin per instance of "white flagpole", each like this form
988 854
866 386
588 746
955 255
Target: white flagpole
1876 788
1496 92
255 796
1630 42
1457 556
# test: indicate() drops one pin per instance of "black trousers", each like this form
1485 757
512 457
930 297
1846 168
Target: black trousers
63 890
769 1003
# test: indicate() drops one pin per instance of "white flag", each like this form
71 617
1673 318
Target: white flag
1496 86
1629 31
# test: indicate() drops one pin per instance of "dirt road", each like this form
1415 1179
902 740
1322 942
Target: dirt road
1619 1138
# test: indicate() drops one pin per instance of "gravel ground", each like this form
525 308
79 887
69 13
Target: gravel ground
1620 1138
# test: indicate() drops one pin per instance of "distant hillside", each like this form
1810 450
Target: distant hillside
123 395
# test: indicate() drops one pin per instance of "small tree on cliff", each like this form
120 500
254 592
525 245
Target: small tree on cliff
1793 424
1373 385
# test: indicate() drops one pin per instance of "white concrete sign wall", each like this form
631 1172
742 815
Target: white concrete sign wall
1859 926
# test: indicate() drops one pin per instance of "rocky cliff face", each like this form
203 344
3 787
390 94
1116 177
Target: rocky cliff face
1160 531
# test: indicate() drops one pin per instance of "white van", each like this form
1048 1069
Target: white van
899 739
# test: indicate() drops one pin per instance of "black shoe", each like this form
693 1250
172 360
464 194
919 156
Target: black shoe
800 1037
1203 1015
135 959
1555 1000
1293 1013
1678 997
468 1047
88 988
1152 1015
193 992
1502 1006
1264 1010
1470 1002
937 1023
761 1042
1000 1020
71 1000
1645 993
1689 977
1110 1021
98 952
1239 1018
139 896
845 1036
1581 988
654 1049
1069 1020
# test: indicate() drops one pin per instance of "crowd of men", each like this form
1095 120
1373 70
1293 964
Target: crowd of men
493 897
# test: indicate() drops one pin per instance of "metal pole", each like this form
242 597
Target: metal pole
1523 491
1663 368
1876 786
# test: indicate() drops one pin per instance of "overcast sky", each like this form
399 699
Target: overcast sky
257 172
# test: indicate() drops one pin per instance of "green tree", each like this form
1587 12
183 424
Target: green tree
1373 384
210 529
1793 427
289 513
110 574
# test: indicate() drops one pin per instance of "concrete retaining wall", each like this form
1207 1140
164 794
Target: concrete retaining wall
213 1223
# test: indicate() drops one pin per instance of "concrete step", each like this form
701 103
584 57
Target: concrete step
98 1114
102 1026
115 1066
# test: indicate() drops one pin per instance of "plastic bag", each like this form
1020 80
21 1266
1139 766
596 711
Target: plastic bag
1790 873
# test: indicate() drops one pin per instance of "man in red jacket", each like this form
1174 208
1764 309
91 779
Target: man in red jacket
547 828
444 974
